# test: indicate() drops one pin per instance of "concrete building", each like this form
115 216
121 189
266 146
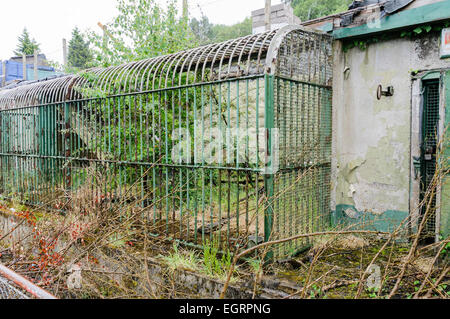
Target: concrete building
42 60
12 70
281 15
391 96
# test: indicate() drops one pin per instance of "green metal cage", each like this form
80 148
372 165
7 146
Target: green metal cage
229 141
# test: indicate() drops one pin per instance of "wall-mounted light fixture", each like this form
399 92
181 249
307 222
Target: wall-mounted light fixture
388 92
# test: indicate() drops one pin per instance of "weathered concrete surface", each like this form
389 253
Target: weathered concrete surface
15 231
372 140
194 284
281 15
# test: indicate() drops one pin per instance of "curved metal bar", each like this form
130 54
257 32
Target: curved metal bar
235 44
159 72
191 63
261 49
262 36
106 79
275 44
202 59
241 54
122 77
148 70
182 60
134 74
175 58
220 49
205 60
154 71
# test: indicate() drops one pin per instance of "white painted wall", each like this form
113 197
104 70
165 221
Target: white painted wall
372 139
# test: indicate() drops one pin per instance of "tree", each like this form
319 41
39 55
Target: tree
207 32
26 45
312 9
143 29
203 30
224 33
80 55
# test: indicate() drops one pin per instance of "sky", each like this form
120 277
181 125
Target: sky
49 21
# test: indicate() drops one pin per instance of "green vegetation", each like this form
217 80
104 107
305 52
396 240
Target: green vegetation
312 9
79 55
212 263
423 29
142 29
338 268
135 35
181 260
207 33
372 293
445 251
26 45
315 292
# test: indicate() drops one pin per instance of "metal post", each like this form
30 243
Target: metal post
268 13
68 146
269 176
105 37
24 67
36 65
3 82
65 52
185 9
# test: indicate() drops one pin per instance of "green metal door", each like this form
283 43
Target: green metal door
430 125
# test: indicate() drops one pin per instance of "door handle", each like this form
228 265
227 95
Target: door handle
417 164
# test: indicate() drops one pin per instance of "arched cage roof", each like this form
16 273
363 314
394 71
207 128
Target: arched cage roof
246 56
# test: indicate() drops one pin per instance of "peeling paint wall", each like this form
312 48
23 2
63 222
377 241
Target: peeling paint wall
373 139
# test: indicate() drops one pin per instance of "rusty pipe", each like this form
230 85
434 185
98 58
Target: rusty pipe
25 284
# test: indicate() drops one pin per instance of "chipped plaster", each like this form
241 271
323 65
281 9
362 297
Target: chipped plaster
372 142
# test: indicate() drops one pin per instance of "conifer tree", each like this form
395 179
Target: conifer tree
79 55
26 45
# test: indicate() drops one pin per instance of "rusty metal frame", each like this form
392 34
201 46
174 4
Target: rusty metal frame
24 283
197 65
289 70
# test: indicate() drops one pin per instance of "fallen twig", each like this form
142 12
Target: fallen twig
281 241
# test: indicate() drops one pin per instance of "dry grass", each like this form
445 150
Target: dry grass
113 244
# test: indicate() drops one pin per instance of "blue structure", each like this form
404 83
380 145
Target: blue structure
14 71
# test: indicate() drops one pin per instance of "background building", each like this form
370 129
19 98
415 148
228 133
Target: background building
12 70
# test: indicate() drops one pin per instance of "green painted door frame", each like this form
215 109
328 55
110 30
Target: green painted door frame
443 78
445 191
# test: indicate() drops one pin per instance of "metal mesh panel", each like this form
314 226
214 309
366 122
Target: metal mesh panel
429 148
306 57
187 143
302 187
191 158
302 113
